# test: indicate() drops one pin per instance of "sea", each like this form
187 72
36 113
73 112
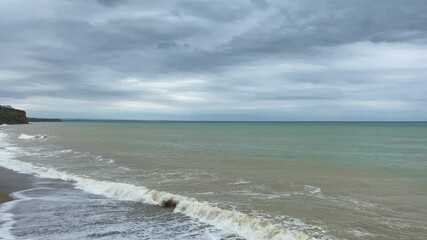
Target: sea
217 180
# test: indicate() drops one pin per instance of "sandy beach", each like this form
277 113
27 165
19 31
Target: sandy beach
10 182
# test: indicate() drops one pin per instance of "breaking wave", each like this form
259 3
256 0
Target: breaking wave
32 137
228 220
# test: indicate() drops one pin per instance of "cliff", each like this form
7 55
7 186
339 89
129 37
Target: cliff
9 115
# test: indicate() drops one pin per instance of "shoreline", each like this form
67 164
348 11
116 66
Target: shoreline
11 182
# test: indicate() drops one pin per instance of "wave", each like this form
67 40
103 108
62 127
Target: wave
230 221
6 220
102 159
240 182
313 190
32 137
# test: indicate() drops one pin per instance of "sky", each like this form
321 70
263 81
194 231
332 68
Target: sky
269 60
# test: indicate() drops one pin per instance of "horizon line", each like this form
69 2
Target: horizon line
183 120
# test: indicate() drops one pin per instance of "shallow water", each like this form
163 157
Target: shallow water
255 180
56 210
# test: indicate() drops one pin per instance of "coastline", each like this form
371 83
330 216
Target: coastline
10 182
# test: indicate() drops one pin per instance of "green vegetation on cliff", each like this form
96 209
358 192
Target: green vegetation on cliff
10 115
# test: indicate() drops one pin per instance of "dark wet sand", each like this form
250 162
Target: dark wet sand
10 182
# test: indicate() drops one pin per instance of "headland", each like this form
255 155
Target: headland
10 115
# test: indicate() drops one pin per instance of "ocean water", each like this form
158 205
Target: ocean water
217 180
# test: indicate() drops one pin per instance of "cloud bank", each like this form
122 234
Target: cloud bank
215 60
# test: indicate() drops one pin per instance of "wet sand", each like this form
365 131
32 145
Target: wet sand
10 182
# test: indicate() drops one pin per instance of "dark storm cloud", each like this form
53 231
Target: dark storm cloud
216 58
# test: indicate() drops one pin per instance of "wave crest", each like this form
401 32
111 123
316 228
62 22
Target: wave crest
32 137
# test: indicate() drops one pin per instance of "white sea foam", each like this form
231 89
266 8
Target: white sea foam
239 182
313 190
32 137
361 234
151 224
345 201
101 158
204 193
6 221
125 168
66 151
235 222
260 195
182 176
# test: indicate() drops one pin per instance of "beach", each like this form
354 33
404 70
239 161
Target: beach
10 182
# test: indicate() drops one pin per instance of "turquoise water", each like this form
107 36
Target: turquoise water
325 179
397 148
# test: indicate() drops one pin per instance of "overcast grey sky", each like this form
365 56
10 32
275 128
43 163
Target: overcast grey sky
215 60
